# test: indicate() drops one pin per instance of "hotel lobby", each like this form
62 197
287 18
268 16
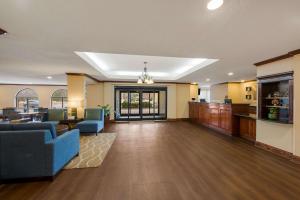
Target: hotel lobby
149 100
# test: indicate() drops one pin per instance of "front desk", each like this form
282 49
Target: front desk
220 117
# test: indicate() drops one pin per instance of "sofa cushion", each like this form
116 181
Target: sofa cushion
56 114
36 126
93 114
5 127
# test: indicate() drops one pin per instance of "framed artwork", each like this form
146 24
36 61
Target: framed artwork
248 89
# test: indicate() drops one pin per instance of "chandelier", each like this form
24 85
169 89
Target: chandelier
145 77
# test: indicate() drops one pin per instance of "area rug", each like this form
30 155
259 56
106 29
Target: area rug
93 150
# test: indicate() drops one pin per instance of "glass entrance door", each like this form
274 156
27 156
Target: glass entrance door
140 103
134 105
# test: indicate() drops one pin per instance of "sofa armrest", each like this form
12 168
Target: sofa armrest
63 148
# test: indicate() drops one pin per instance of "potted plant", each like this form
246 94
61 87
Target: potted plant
273 113
106 109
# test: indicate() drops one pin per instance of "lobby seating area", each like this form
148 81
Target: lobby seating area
150 100
31 150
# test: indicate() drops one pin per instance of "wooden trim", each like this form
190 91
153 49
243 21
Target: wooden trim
2 31
289 73
274 150
114 81
83 74
282 57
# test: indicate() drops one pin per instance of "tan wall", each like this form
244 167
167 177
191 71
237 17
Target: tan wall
253 92
194 91
182 97
8 94
218 92
95 95
274 134
77 93
235 92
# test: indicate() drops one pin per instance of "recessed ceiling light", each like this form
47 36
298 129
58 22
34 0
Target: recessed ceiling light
49 77
214 4
207 80
230 74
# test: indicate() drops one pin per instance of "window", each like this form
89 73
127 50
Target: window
59 99
27 99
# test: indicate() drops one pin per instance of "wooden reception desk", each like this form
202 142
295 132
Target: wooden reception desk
220 117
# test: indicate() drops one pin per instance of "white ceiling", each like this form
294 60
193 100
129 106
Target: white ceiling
43 35
125 67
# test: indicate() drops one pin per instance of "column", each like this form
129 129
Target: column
77 93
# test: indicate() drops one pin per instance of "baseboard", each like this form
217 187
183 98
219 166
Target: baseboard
277 151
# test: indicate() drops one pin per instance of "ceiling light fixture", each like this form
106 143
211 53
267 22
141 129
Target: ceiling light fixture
207 80
145 77
230 74
214 4
49 77
3 32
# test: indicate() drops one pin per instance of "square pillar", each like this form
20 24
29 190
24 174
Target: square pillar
77 93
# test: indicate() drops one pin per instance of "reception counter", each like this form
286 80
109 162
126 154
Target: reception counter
220 117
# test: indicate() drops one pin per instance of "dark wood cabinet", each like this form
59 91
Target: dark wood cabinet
219 117
248 128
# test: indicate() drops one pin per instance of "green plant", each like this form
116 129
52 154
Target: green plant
273 113
106 109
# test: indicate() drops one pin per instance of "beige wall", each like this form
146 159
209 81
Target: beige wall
8 94
218 92
274 134
296 142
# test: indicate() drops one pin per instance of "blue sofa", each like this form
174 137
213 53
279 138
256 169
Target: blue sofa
33 150
93 121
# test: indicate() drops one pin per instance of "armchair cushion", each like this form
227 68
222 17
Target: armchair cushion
90 126
56 114
93 114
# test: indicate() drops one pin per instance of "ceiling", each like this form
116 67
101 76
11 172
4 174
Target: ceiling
125 67
43 36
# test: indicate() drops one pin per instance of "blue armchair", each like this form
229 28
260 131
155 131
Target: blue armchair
93 121
56 115
33 150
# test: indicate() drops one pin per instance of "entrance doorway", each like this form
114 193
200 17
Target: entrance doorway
140 103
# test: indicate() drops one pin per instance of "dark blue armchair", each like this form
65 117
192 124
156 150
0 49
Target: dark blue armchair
93 121
33 150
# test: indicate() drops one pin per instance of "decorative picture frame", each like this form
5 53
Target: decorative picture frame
248 89
248 97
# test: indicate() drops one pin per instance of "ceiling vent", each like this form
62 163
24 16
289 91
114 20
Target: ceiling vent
3 32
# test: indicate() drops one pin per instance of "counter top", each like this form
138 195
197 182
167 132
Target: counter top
251 116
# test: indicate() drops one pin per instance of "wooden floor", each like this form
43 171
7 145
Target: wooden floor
171 160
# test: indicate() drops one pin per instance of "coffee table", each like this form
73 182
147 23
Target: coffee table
61 129
71 123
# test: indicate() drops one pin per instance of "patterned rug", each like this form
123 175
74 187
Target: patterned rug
93 150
